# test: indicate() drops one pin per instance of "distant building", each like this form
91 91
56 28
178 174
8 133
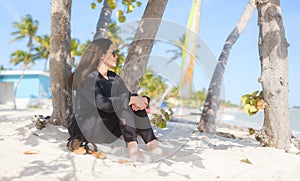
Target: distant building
33 90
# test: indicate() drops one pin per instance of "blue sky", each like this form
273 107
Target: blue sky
217 20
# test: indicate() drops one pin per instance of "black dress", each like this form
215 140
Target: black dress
103 114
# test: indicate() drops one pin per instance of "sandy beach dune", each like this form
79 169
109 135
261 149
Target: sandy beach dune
193 155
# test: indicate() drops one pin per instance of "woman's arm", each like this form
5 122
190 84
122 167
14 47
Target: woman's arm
111 104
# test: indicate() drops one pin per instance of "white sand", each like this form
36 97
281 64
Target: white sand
194 156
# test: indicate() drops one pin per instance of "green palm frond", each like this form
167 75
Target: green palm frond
177 52
27 28
20 56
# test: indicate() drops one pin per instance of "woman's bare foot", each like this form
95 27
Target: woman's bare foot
135 154
153 147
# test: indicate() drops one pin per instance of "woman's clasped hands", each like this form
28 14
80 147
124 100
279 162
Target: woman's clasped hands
138 103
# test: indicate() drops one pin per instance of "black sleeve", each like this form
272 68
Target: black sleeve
148 98
118 99
111 104
93 94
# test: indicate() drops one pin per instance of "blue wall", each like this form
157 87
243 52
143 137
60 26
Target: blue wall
31 86
44 86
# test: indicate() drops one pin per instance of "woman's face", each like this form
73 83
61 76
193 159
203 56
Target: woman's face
110 57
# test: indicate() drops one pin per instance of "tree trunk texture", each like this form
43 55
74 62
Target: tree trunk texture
103 22
273 55
207 121
141 46
60 61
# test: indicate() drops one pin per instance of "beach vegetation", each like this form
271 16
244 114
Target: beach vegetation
43 48
160 119
253 102
127 7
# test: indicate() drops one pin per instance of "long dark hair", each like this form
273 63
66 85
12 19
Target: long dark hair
90 60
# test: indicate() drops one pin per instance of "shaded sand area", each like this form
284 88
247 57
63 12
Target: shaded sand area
193 155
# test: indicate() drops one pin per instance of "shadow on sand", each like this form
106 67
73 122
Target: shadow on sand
180 139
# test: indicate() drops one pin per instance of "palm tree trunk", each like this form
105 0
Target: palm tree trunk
17 86
103 22
273 55
45 65
60 61
141 46
209 113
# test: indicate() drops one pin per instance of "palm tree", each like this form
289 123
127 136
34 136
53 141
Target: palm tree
20 56
75 50
183 44
103 21
177 53
141 46
273 55
27 28
209 113
83 46
43 49
113 35
17 57
60 61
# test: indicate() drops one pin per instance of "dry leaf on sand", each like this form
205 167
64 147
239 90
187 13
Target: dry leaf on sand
124 161
30 152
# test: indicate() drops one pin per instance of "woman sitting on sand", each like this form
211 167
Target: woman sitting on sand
104 107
